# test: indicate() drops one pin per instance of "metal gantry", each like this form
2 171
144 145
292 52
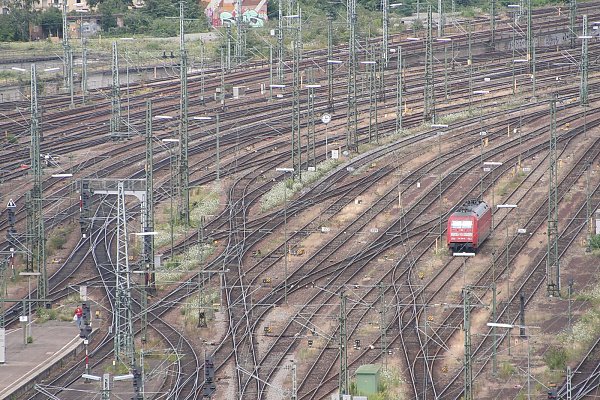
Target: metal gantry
552 259
123 316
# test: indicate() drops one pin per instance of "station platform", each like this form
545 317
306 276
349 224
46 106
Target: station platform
28 364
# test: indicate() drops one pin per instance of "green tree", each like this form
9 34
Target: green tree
170 8
51 21
108 9
15 24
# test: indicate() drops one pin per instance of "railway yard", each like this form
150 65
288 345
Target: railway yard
313 241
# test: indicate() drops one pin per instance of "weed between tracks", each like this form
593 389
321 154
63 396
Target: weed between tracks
204 201
288 187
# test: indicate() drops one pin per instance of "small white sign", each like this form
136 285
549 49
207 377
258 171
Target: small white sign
374 230
486 169
526 169
418 184
11 204
350 169
326 118
23 318
521 230
325 229
335 154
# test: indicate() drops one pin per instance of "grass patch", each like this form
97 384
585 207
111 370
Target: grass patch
117 369
58 238
203 201
173 270
191 307
512 184
506 370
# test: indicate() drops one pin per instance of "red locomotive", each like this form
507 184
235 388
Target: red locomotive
469 226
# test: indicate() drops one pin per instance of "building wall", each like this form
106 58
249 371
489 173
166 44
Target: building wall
222 12
72 5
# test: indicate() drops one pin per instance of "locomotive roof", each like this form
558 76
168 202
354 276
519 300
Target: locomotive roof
473 207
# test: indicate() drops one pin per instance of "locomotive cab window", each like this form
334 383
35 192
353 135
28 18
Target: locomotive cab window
462 224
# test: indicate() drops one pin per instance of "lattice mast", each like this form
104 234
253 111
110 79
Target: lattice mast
583 87
468 367
149 211
399 84
385 8
280 43
36 234
428 98
441 19
115 99
182 170
123 318
352 113
295 26
240 43
67 53
329 63
343 378
373 89
572 21
552 260
84 55
530 38
492 22
311 158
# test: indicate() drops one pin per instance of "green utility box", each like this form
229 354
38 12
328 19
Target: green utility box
367 379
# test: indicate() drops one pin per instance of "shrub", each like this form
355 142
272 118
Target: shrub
595 242
556 358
